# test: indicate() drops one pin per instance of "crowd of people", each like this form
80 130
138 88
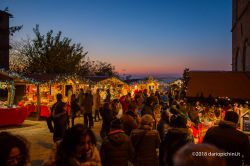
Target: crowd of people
153 129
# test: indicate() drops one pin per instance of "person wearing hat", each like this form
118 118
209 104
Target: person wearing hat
116 148
145 141
176 137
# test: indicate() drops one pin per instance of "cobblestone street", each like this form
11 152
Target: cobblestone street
40 139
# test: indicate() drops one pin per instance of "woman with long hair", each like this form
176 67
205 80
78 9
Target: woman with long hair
77 148
14 150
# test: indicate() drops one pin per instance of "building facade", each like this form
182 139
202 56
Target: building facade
4 40
241 35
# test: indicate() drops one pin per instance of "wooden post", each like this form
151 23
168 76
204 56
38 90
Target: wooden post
9 94
50 88
38 106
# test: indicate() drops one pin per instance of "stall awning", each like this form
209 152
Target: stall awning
219 84
98 79
5 76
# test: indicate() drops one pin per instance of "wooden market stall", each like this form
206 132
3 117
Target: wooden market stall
149 83
41 94
216 86
10 114
116 86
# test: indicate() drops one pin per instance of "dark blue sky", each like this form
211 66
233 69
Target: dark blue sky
137 36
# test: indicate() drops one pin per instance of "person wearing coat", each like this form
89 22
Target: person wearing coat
97 105
130 119
88 105
228 138
176 137
146 141
74 108
148 107
163 127
59 117
116 148
107 116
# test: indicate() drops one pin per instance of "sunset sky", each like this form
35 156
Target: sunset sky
145 37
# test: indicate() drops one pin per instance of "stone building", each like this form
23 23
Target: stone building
241 35
4 40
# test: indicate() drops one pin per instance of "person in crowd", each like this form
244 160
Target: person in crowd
176 137
164 124
146 141
88 105
130 119
138 100
162 128
108 96
14 150
107 116
148 107
193 114
145 96
74 108
97 105
116 148
125 101
170 98
157 114
155 99
77 148
59 117
183 109
228 138
157 94
81 98
164 100
116 108
69 94
186 156
174 109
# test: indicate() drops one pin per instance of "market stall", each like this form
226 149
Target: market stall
10 114
140 84
116 86
217 92
41 95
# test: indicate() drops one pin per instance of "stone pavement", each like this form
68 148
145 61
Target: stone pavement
40 139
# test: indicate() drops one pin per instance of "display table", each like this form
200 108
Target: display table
13 116
44 110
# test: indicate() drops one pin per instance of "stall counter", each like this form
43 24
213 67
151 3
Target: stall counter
13 116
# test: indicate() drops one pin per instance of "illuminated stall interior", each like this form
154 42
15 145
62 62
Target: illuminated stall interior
50 86
5 80
116 86
140 84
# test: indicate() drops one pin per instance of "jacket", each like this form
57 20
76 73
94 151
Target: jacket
226 137
174 139
129 122
116 149
145 142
